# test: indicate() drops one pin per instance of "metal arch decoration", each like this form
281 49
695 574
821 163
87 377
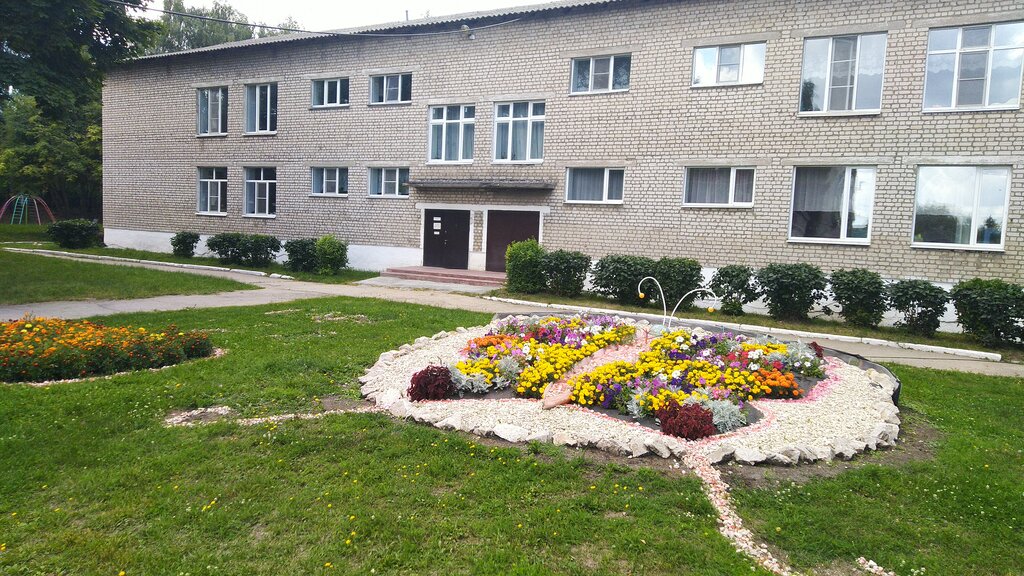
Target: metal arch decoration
19 205
666 317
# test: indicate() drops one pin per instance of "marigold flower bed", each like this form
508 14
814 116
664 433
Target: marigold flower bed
40 349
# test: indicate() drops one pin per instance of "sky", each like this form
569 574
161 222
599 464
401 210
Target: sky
332 14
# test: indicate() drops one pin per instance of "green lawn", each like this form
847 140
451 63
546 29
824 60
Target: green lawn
32 278
23 232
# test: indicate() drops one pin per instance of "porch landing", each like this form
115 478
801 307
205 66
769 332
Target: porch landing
447 275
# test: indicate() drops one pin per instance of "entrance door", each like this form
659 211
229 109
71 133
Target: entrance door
505 227
446 239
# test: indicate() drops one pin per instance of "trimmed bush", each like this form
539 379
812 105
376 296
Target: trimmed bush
990 310
689 421
183 244
921 303
331 255
677 277
790 290
259 250
861 293
227 247
431 383
565 272
616 276
734 285
524 270
77 233
301 255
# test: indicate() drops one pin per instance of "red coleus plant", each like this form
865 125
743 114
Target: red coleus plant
690 421
431 383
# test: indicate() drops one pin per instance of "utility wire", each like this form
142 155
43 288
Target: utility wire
282 29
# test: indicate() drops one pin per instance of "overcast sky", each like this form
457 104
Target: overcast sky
332 14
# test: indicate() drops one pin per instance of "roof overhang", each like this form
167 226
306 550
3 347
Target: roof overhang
484 184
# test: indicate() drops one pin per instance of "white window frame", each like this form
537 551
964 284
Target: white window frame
604 191
826 103
732 203
270 111
221 187
960 51
443 122
324 171
844 210
402 78
530 118
973 245
611 74
383 181
718 59
222 109
322 85
261 186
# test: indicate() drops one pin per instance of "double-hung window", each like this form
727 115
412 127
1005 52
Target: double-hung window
330 181
452 130
719 187
391 89
728 65
595 185
261 108
212 117
961 206
843 74
832 203
519 132
330 92
213 191
392 182
260 191
601 74
974 67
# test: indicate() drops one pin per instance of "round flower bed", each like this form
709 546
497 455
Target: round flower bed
41 349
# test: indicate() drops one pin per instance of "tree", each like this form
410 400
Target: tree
184 33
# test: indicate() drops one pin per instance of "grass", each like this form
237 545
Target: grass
1010 353
961 513
23 233
94 484
32 278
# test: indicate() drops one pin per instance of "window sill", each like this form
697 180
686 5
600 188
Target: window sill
596 202
599 92
725 206
725 85
388 196
329 106
449 162
957 247
260 216
832 241
517 161
970 109
839 113
213 135
214 214
395 103
325 195
273 133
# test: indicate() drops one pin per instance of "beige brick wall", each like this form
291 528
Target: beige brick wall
655 129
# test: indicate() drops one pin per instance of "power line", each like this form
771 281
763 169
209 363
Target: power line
464 30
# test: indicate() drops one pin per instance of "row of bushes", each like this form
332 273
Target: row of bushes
326 255
77 233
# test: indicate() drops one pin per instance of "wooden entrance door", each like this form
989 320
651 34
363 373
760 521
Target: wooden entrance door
505 227
446 239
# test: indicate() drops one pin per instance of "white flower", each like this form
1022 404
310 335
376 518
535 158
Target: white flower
679 339
754 366
755 354
676 374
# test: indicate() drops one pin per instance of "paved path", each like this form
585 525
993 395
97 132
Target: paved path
273 290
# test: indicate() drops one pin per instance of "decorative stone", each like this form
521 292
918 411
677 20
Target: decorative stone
544 437
563 439
461 329
658 446
749 456
511 432
388 397
421 340
791 453
721 453
886 434
780 459
439 335
637 448
401 408
807 453
453 422
613 446
845 448
556 394
386 356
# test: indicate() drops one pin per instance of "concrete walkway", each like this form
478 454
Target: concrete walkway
274 290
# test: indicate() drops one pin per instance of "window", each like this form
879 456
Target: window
974 67
961 206
719 186
391 89
331 92
832 203
328 181
603 74
843 73
389 182
261 108
451 133
213 111
724 65
260 191
213 191
595 185
519 132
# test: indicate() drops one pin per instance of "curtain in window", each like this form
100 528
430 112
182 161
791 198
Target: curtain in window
620 74
817 202
375 181
743 190
581 75
537 141
586 184
707 185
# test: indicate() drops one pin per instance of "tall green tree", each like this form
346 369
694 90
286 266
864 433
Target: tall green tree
215 25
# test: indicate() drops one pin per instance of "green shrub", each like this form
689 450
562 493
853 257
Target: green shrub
331 255
78 233
301 255
790 290
733 284
183 244
227 246
617 276
990 310
921 303
565 272
524 271
677 277
259 250
861 293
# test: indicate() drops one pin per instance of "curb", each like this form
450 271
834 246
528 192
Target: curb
974 354
151 262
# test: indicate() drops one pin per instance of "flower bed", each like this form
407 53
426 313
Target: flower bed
38 349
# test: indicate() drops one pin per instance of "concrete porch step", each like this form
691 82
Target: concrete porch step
430 274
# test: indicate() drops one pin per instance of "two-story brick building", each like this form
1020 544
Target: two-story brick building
883 134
